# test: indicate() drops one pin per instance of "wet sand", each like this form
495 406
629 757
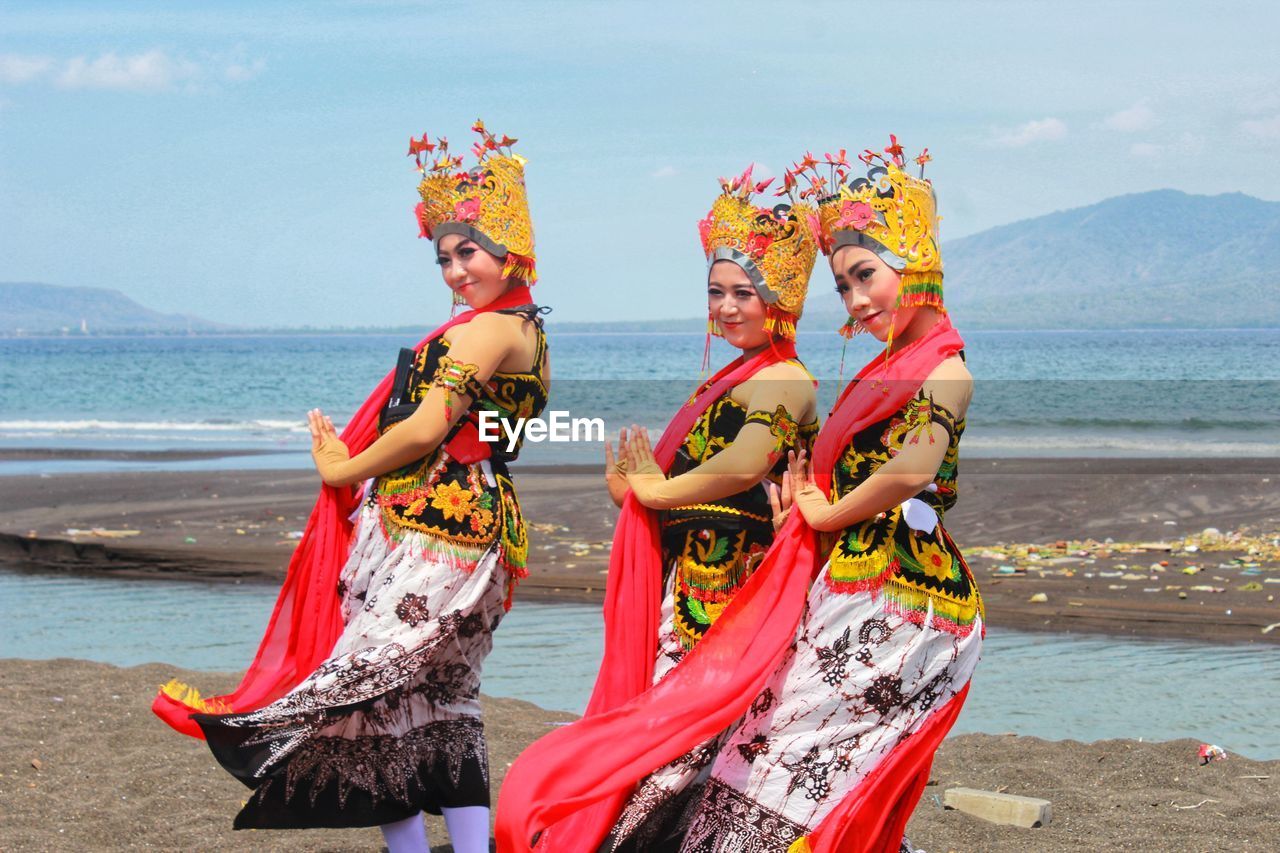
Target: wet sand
1028 526
84 765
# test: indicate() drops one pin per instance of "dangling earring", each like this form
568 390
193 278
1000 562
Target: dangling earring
458 300
851 328
713 328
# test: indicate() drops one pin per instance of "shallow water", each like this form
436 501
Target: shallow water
1047 685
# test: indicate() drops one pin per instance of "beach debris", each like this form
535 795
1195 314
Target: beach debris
1210 752
102 532
37 764
1155 546
1271 627
190 540
1196 806
1251 586
1038 598
293 534
999 808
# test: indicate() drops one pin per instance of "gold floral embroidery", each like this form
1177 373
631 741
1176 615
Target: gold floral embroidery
453 501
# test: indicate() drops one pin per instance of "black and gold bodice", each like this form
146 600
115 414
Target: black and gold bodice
463 509
712 548
919 570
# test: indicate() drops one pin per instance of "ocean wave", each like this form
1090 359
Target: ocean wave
1078 445
94 427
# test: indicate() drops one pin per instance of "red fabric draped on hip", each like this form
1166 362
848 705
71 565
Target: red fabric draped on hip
307 618
571 784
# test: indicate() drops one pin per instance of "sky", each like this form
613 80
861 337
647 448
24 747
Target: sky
245 162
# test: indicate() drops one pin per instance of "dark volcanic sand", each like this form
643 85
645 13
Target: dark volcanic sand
113 777
240 522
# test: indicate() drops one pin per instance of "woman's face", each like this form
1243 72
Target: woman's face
869 288
470 271
733 303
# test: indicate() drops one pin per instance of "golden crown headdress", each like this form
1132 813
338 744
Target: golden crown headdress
486 203
888 212
775 246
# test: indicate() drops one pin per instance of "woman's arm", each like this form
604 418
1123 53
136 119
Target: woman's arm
905 475
739 466
473 358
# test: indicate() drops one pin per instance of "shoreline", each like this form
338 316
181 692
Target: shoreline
1026 526
86 766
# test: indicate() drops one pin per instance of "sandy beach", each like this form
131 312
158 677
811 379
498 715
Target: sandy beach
84 765
1114 546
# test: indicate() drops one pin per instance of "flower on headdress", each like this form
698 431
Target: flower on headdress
467 210
923 158
867 156
763 185
758 244
704 232
478 149
478 127
807 163
506 141
788 183
417 146
894 150
855 214
815 229
418 211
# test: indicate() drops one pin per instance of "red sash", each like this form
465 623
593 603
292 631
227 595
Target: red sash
573 782
307 619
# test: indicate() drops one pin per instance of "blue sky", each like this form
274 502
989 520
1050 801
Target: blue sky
246 162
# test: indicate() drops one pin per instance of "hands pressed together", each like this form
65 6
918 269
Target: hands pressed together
805 494
633 468
327 450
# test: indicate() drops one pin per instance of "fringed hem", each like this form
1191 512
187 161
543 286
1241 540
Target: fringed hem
190 697
859 573
521 267
921 289
780 323
920 607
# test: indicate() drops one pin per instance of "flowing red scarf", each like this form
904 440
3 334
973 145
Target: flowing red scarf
572 783
307 619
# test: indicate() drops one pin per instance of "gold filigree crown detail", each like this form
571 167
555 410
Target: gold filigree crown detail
776 246
889 212
486 203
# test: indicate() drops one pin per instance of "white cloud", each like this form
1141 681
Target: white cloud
1136 118
152 71
1039 130
239 72
1264 128
22 69
664 172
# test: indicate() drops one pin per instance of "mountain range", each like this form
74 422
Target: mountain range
1156 259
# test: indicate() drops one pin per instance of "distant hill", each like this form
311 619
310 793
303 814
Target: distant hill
40 309
1162 258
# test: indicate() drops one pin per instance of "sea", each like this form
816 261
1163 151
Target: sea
239 402
1166 393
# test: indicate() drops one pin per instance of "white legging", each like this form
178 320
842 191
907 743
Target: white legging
468 830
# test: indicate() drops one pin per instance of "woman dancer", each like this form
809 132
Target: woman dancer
698 516
377 718
835 751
